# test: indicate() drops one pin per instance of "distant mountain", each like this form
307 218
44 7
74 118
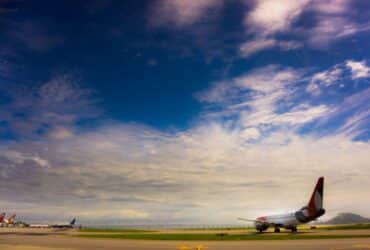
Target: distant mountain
348 218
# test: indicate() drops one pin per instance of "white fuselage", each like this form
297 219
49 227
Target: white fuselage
282 220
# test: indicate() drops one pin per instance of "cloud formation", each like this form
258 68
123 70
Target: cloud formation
177 13
247 141
139 175
252 47
337 75
267 24
358 69
268 20
61 102
269 17
257 98
262 127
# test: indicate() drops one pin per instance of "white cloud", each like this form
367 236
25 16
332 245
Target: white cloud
217 93
99 185
359 69
324 78
290 45
250 133
355 111
142 174
60 133
117 213
354 125
15 157
301 115
255 98
313 88
331 6
265 21
336 75
330 29
268 79
178 13
262 82
331 21
60 102
269 16
327 77
334 21
265 115
251 47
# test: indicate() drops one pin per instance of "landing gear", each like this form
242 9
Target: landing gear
261 227
277 230
294 229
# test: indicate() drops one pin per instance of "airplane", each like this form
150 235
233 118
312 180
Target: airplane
312 211
2 216
10 220
64 226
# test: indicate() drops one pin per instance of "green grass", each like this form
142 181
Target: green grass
217 237
114 230
346 227
215 228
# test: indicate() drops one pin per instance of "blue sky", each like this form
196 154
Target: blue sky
160 109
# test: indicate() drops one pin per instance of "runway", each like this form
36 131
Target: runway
27 239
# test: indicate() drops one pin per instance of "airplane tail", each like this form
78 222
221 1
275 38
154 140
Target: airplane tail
73 222
11 218
315 205
2 216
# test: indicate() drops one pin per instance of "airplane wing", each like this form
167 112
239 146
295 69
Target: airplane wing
250 220
243 219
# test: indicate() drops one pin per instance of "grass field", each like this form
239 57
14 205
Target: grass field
114 230
225 234
302 227
219 237
346 227
215 228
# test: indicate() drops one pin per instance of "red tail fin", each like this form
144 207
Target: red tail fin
2 216
11 218
315 203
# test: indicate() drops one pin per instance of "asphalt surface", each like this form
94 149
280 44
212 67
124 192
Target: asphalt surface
38 239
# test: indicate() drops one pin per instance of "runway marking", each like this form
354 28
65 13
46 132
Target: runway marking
198 247
183 247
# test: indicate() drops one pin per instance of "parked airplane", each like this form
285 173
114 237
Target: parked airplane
2 216
308 213
10 220
64 226
70 225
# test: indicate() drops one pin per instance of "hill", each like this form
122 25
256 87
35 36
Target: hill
348 218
